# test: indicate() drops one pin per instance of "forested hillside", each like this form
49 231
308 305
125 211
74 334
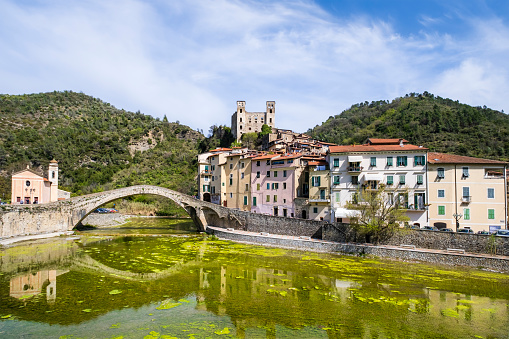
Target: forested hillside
442 125
97 145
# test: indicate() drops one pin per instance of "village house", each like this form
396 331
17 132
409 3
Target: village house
400 166
28 187
466 192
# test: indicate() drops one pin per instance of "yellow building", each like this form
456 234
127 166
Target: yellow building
28 187
319 190
237 174
466 192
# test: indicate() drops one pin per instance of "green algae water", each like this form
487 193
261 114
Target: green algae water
196 286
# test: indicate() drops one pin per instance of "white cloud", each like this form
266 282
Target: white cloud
192 60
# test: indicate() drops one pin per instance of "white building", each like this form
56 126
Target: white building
393 162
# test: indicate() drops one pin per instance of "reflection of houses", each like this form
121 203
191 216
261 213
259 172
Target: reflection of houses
28 187
33 284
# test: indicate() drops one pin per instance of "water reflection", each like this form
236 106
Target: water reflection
28 285
202 286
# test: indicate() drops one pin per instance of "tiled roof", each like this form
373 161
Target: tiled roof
317 163
375 148
265 156
220 149
443 158
385 141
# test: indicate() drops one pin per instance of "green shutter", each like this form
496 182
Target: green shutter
254 201
317 181
245 200
336 162
466 214
373 161
389 161
441 210
491 213
420 179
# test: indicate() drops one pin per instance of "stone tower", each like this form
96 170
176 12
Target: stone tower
252 122
53 177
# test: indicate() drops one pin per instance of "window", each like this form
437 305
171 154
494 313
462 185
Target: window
258 163
53 174
420 179
284 185
268 198
242 175
231 195
390 198
268 174
373 162
267 163
441 210
245 200
289 162
389 161
322 194
337 196
275 198
315 181
441 193
204 179
336 180
254 201
27 183
355 179
231 179
465 172
466 192
241 165
247 187
268 186
275 174
440 173
402 179
336 162
278 162
257 187
491 213
212 178
258 174
275 185
401 160
466 213
491 193
315 209
390 180
284 173
231 166
419 160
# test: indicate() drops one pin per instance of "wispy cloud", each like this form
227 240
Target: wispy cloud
192 60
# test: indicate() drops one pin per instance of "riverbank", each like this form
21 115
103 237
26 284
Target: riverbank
451 257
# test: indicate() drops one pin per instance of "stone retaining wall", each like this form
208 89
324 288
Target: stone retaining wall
453 259
105 219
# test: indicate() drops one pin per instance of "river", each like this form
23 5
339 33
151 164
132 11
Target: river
157 278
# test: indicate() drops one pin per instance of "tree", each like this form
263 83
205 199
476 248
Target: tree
250 140
236 144
380 213
266 129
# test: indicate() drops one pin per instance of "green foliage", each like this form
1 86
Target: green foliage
442 125
266 129
236 144
219 136
379 214
95 143
250 140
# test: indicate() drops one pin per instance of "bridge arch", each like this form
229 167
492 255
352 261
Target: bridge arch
91 202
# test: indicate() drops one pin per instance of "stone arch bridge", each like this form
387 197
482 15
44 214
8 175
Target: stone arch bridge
19 220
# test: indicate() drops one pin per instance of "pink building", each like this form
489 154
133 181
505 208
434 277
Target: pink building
275 183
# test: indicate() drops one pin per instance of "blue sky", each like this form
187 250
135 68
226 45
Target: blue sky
192 60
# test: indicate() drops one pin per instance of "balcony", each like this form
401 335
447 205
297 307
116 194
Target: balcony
319 198
466 199
355 169
206 172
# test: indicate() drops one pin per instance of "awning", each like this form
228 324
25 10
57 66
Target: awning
354 158
373 177
345 213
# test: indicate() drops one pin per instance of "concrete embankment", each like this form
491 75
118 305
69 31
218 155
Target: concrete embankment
443 257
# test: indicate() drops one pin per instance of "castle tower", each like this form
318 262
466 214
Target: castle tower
53 177
270 115
252 122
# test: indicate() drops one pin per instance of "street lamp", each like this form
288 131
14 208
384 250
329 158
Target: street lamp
457 216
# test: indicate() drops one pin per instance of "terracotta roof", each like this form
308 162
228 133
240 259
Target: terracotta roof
220 149
443 158
54 161
372 141
375 148
290 156
317 163
265 156
326 143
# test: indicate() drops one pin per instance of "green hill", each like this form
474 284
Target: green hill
443 125
97 145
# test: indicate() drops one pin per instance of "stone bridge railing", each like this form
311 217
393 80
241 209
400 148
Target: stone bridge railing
18 220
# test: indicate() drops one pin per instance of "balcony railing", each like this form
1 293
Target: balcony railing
354 168
466 199
206 172
319 198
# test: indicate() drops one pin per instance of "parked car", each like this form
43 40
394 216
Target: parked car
446 230
483 232
466 230
101 210
502 233
429 228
